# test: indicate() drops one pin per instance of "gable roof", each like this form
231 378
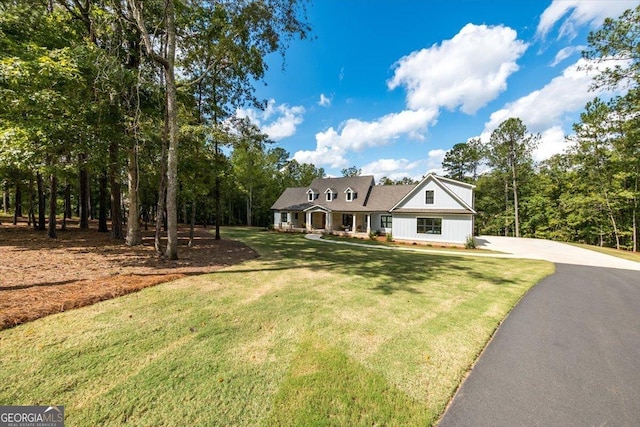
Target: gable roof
370 197
464 207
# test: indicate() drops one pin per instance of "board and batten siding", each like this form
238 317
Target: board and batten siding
442 200
376 222
455 228
464 192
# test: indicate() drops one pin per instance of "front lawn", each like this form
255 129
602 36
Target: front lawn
311 333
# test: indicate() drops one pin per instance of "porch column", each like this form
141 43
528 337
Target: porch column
328 221
368 223
353 229
309 226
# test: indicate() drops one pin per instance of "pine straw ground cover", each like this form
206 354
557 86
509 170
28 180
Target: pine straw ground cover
41 276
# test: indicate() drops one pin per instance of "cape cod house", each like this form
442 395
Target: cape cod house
436 209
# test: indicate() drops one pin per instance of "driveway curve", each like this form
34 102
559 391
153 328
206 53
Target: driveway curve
567 355
556 252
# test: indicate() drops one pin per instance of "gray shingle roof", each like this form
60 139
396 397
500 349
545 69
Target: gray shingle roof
384 197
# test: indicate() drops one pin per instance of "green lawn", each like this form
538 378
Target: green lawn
310 333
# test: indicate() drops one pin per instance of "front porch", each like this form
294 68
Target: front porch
348 223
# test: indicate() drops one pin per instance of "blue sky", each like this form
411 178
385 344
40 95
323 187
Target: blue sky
390 86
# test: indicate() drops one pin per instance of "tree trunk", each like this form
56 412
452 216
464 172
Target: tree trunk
515 201
67 206
5 196
134 236
172 115
192 221
102 216
42 203
613 220
68 212
31 219
506 208
84 193
162 187
53 202
116 198
18 203
218 207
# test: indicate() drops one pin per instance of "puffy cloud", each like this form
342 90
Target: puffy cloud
277 121
324 101
356 135
467 71
577 13
394 169
552 141
547 107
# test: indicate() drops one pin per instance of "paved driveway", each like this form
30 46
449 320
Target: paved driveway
569 352
560 253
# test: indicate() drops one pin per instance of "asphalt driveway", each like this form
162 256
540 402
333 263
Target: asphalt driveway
569 352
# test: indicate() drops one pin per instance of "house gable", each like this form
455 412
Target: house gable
434 194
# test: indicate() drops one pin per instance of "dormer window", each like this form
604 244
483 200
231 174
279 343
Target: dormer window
331 194
311 195
350 194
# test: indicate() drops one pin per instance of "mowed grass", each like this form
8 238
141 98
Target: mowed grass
309 334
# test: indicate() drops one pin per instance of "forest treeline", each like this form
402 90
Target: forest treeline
590 192
123 111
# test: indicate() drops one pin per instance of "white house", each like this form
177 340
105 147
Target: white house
435 210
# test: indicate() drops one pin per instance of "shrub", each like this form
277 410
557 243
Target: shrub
389 237
470 243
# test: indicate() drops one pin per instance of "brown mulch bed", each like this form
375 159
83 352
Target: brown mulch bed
41 276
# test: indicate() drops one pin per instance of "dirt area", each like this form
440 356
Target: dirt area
41 276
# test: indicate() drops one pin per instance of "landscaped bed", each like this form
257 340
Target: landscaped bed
309 333
41 276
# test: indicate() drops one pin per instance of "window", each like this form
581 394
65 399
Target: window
329 196
385 221
284 217
351 195
310 196
429 225
429 196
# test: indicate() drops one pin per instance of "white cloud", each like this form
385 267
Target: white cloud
566 53
577 13
552 141
549 106
467 71
324 101
277 121
394 169
356 135
434 161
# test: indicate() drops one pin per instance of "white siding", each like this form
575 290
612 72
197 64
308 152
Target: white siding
441 199
465 193
455 228
375 222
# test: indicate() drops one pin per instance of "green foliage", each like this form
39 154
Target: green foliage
470 243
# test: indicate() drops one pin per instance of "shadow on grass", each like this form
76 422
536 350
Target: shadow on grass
389 271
